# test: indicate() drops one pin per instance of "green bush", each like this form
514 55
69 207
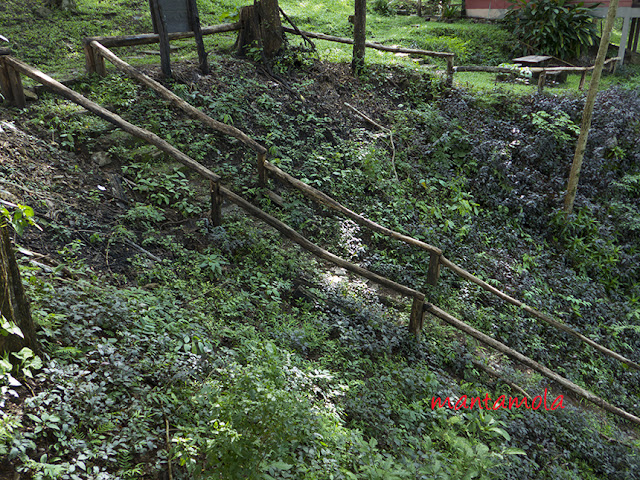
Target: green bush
553 27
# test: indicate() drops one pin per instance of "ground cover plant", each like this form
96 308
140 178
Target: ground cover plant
226 352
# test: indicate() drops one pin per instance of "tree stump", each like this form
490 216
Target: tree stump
14 305
261 28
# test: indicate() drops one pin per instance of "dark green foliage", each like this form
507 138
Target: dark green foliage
265 363
553 27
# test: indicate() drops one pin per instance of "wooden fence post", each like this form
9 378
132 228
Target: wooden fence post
161 25
5 84
583 78
194 19
216 203
449 71
541 81
434 269
11 85
263 176
89 58
417 317
98 61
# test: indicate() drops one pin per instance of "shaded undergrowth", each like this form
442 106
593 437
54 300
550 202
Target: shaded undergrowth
235 355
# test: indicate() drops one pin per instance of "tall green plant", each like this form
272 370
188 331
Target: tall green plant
553 27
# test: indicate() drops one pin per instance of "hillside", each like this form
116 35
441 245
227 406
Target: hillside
236 354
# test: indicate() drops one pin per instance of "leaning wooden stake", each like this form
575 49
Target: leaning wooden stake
195 22
569 385
161 25
168 447
581 145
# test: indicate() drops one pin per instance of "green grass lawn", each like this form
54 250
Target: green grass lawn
480 82
53 40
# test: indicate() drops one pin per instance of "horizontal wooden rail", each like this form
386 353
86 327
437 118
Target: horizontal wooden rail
149 38
517 356
386 48
326 200
175 99
482 68
535 313
109 116
376 46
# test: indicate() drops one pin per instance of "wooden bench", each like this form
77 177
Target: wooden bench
540 61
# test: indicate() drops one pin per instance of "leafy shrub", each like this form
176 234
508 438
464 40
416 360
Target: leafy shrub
553 27
559 126
258 417
383 7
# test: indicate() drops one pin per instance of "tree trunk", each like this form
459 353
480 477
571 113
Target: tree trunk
261 28
359 36
581 145
14 305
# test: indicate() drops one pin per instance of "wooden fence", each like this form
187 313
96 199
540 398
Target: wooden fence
449 57
437 258
11 68
95 64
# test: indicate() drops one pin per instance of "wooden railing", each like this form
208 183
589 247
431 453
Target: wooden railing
10 66
436 260
95 63
449 57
